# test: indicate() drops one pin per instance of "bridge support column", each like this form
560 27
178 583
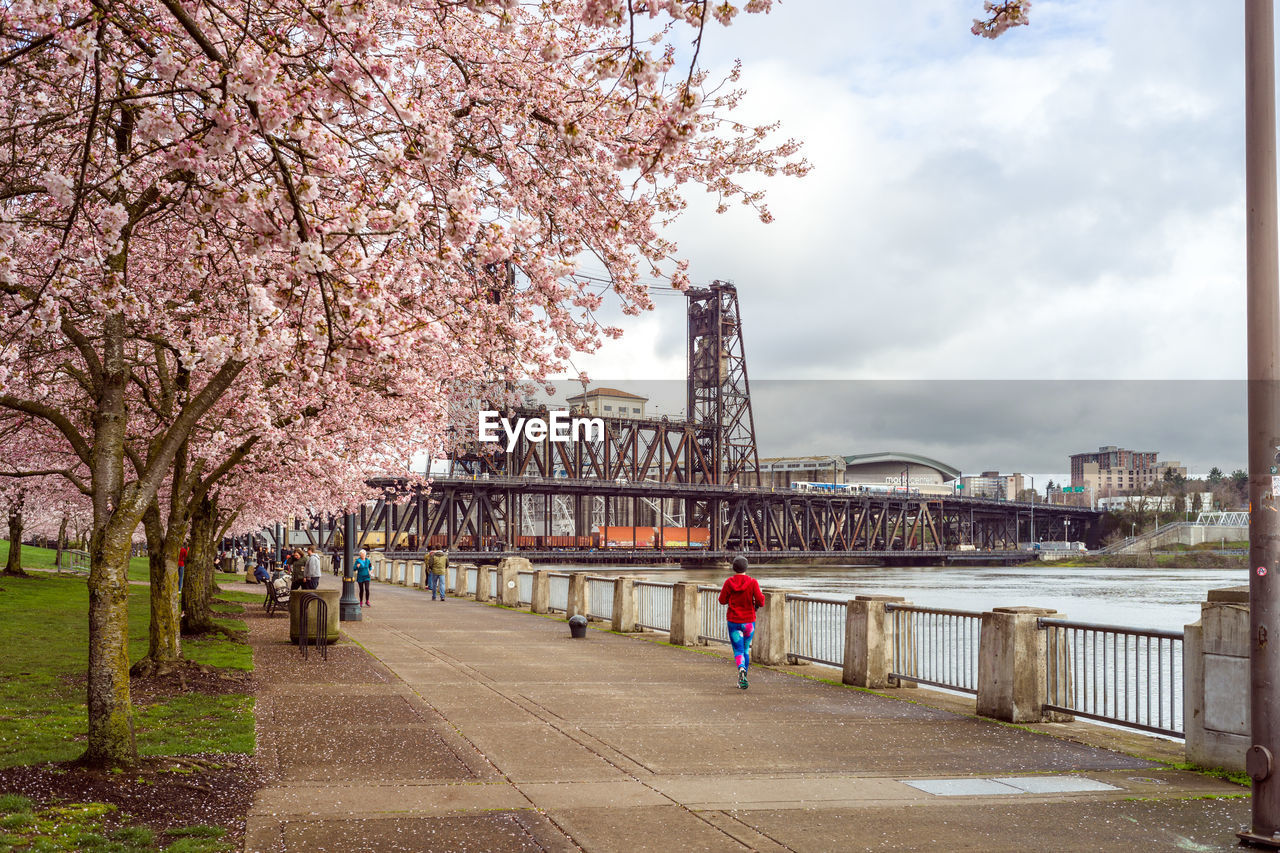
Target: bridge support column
1011 665
868 641
624 604
482 582
577 605
685 616
770 643
541 598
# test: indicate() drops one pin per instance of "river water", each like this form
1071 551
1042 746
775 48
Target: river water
1138 598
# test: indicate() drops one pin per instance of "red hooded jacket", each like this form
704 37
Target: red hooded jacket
742 594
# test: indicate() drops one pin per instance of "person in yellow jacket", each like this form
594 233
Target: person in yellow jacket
437 573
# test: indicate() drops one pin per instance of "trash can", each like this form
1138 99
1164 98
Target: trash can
578 627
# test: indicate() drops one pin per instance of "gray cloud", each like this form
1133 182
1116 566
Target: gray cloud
1027 426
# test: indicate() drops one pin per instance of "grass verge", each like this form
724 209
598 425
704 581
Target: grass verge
43 719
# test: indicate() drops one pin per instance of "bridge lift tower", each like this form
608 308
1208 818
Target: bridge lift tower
719 396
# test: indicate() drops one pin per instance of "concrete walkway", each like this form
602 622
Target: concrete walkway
476 728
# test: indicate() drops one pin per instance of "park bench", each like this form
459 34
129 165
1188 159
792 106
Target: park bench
277 595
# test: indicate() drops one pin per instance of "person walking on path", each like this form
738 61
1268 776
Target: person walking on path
742 593
313 569
297 570
437 570
362 568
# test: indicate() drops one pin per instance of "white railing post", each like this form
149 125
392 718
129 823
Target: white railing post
868 641
577 601
769 645
624 605
1011 665
540 599
686 621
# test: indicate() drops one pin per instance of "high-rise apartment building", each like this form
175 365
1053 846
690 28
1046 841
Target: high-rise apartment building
1119 471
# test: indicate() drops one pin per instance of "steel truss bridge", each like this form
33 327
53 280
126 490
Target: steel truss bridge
697 473
484 513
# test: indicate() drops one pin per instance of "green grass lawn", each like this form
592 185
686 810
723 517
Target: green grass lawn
81 827
44 631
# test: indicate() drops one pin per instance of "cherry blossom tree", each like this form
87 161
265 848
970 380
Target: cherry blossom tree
1000 17
265 200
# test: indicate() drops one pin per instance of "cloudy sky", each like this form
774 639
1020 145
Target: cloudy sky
1065 204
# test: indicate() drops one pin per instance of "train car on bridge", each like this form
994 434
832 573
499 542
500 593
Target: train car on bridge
854 488
631 538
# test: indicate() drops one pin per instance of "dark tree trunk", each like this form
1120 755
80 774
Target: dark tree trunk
197 589
13 567
164 644
62 541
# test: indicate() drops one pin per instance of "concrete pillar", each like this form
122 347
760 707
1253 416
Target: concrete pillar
482 583
541 597
460 580
1011 665
868 641
686 620
509 580
769 645
1215 681
624 604
577 595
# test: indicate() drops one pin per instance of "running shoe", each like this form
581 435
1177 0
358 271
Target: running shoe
742 677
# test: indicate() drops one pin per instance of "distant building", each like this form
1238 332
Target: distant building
782 471
1118 471
925 475
992 485
609 403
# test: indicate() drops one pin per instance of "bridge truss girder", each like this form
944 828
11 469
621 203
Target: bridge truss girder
487 515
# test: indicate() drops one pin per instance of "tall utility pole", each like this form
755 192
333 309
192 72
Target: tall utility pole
1264 430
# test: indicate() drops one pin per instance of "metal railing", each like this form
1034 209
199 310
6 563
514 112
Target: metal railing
935 646
653 605
600 598
524 584
815 626
1130 677
559 591
493 584
472 580
74 561
713 616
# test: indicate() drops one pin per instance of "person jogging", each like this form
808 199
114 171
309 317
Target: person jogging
742 593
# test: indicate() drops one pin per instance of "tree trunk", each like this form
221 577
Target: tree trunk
116 513
13 567
197 589
62 541
111 740
164 644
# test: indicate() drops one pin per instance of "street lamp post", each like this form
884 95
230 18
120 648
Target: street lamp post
1263 319
349 604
